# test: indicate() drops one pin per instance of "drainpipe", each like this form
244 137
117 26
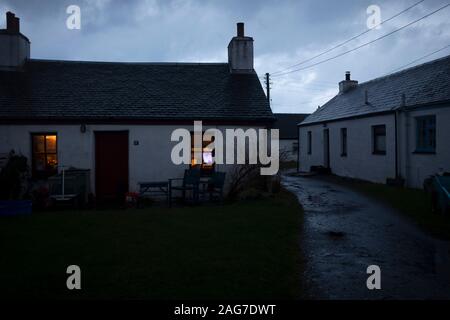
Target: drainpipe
406 139
298 148
396 144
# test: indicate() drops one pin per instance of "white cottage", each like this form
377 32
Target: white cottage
116 119
394 127
286 123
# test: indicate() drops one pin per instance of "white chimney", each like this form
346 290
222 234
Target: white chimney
14 46
240 52
347 84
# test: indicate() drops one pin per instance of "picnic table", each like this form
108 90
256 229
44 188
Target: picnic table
154 188
192 183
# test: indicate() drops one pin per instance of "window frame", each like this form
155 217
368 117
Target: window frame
375 149
309 142
204 169
344 142
425 149
43 174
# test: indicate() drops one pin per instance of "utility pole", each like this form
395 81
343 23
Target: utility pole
268 87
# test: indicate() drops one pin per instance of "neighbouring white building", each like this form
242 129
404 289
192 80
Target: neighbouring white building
116 119
287 123
394 127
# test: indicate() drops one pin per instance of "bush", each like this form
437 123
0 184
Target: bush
13 177
247 182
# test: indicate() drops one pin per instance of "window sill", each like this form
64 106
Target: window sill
379 153
423 152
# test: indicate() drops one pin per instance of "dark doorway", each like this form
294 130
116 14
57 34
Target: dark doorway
111 164
326 148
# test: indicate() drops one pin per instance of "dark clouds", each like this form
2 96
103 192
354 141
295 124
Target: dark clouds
285 32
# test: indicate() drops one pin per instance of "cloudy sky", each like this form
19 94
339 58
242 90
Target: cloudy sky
286 32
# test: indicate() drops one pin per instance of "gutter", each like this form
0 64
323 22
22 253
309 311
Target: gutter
137 121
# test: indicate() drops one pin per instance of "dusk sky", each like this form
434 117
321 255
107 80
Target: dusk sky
285 33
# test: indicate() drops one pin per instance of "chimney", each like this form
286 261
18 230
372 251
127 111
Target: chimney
347 76
14 46
12 23
240 52
347 84
240 29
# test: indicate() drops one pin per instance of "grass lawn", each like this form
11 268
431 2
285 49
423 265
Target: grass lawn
414 203
242 250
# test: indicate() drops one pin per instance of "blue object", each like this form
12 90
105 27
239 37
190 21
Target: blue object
442 187
15 207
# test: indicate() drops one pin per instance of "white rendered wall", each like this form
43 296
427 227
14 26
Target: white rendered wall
360 162
150 160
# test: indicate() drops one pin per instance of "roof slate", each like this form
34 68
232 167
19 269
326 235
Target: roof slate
102 90
427 83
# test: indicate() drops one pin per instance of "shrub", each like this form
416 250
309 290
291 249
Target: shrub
13 177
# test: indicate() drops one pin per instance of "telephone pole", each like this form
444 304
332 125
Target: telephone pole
268 87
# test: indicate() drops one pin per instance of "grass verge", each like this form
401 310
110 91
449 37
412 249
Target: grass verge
413 203
243 250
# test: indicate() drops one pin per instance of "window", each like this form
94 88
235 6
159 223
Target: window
379 139
343 142
426 134
309 142
295 147
207 164
44 155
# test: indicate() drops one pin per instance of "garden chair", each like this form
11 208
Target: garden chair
215 186
190 182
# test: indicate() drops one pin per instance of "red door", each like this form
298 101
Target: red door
111 164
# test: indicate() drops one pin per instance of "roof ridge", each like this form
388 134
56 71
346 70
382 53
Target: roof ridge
132 63
405 70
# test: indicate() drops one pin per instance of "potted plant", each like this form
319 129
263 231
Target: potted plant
13 178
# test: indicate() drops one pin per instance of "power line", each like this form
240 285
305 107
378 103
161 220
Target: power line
300 89
328 97
418 59
347 41
316 85
365 44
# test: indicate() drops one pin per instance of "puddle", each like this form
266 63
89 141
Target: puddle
336 234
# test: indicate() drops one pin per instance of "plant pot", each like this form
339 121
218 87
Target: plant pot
15 207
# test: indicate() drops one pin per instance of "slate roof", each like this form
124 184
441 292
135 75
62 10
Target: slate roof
425 84
287 124
157 91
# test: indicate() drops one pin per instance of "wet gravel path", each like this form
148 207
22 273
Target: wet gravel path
345 232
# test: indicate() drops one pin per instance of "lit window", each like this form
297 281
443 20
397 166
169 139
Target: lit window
207 164
45 156
426 134
379 139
